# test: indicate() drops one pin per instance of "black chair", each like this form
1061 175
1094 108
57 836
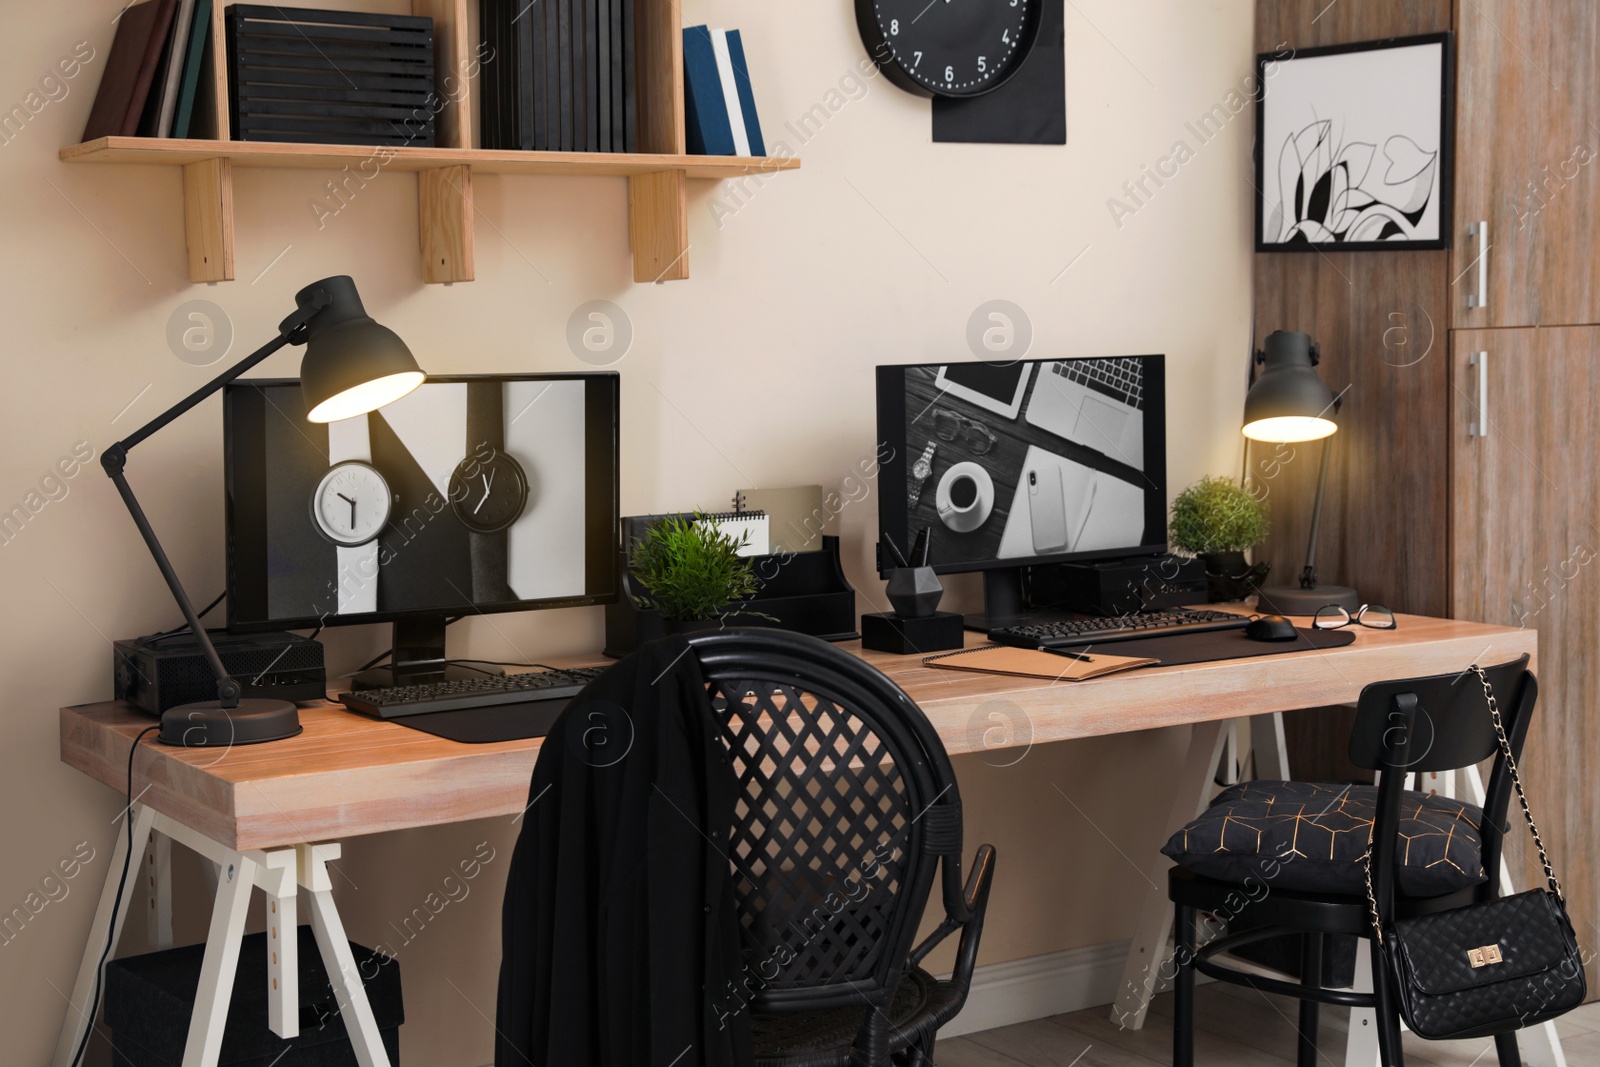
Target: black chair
848 810
1440 723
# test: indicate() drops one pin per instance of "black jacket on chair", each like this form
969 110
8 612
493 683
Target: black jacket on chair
619 910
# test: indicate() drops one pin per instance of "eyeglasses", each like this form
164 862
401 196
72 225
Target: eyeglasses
1333 617
973 434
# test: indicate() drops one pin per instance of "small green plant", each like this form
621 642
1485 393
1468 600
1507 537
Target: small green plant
1217 515
692 570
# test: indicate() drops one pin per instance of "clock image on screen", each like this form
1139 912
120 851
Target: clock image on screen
351 503
949 48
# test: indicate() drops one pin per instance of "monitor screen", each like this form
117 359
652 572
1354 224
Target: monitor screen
1024 462
472 494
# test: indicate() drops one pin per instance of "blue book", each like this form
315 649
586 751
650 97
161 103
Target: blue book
199 35
706 127
747 99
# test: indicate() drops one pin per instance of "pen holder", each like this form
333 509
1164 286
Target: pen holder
914 592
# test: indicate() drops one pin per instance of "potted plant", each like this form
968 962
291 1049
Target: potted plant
1217 520
692 572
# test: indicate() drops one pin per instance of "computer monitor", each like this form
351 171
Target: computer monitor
1014 464
472 495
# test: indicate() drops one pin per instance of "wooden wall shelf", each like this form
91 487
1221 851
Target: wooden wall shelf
657 200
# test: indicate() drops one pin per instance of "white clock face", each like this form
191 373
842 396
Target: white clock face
352 502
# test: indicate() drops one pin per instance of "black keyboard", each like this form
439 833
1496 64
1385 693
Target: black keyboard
1069 633
491 690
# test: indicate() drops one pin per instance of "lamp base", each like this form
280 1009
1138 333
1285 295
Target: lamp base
206 724
1292 600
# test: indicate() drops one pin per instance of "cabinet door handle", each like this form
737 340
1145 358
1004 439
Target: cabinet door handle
1480 299
1480 428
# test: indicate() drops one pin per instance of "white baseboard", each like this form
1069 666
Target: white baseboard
1018 991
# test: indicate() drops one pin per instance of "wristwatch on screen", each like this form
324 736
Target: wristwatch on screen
919 473
488 492
350 507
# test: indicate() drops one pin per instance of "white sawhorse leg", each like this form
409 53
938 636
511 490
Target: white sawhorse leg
340 962
80 1012
1149 961
239 872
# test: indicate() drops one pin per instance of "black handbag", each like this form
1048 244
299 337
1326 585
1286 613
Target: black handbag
1487 968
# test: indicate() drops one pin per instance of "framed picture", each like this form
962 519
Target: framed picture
1353 146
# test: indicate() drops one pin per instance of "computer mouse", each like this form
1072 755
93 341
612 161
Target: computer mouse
1271 628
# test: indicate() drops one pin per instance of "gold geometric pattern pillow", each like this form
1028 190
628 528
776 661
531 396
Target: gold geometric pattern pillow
1311 836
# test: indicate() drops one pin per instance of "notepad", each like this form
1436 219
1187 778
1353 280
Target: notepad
1032 663
750 527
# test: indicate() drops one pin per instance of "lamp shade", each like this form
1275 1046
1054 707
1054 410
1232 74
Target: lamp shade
352 365
1289 402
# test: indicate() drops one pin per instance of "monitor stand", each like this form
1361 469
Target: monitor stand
419 658
1005 603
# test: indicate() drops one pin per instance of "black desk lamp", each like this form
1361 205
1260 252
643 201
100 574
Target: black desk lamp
1289 403
352 366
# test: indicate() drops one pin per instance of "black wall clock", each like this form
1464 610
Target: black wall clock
949 48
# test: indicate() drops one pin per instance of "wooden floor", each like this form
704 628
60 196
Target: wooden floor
1237 1027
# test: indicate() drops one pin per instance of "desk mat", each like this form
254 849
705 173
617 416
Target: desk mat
1208 645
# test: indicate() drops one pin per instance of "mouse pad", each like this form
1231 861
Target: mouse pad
1173 649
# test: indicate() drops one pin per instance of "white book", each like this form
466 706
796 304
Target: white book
182 23
730 92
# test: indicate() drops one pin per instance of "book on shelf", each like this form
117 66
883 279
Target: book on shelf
719 106
747 96
172 71
141 40
193 59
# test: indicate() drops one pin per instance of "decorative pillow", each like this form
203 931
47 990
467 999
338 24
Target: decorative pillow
1311 836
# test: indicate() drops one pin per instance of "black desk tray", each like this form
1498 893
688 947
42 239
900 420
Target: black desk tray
804 591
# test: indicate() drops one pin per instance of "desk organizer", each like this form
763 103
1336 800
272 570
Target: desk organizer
149 998
805 592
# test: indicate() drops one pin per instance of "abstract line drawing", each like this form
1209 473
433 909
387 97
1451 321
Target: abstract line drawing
1331 193
1353 147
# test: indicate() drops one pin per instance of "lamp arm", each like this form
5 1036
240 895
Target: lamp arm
114 461
1308 574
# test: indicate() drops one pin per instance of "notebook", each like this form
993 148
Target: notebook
749 526
1032 663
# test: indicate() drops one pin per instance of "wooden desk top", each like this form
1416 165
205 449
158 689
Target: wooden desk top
348 775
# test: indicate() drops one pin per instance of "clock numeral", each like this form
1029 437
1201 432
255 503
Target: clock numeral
894 26
919 59
983 63
1005 36
1013 3
949 74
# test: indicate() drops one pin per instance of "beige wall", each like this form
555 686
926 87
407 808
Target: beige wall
758 370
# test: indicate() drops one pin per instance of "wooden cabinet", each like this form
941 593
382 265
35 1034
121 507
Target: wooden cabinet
1527 162
1525 551
1502 526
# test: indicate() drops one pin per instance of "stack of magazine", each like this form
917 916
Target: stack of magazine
558 75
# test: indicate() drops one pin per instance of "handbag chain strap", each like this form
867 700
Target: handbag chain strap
1522 797
1516 780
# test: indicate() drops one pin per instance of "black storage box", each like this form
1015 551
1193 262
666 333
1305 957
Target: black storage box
887 632
149 998
330 77
1119 586
156 673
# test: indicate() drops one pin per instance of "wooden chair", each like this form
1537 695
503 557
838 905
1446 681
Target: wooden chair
1440 723
848 811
